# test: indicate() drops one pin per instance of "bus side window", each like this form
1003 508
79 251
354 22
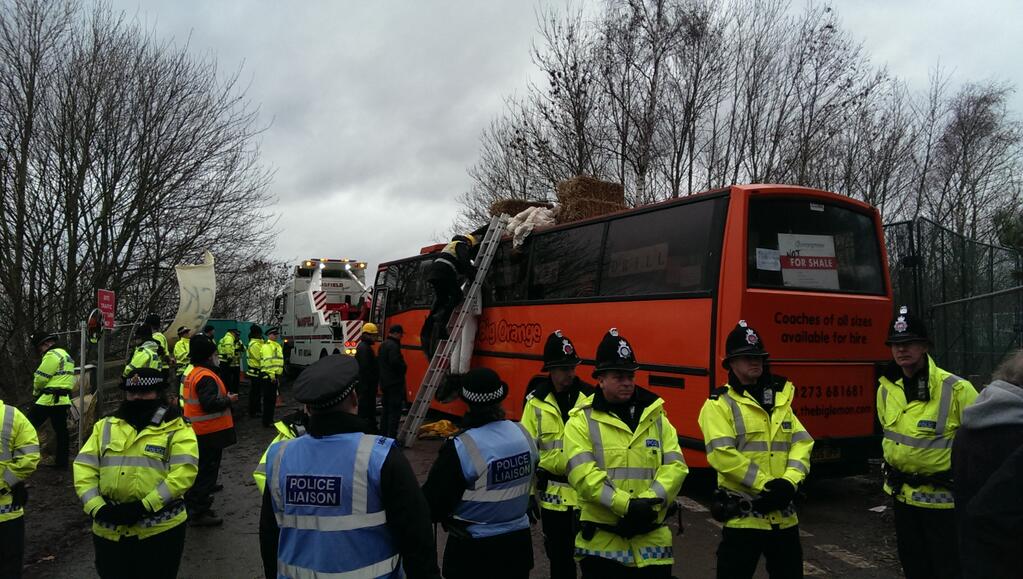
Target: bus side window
565 263
662 251
506 281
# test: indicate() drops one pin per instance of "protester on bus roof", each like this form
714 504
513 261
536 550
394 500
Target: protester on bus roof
987 461
626 467
758 469
548 403
920 407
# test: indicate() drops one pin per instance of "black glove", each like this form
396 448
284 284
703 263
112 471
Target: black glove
19 495
121 514
777 495
639 519
533 511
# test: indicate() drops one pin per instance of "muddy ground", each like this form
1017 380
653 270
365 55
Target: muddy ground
842 537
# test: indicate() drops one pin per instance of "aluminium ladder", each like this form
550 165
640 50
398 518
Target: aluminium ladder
440 364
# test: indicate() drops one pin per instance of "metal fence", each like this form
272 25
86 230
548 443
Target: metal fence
968 291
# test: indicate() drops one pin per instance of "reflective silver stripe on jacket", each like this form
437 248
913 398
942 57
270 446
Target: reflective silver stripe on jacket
382 568
798 465
205 417
595 438
119 461
926 443
90 494
7 434
275 479
737 420
945 404
333 522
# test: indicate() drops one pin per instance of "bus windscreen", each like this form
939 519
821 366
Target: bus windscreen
802 244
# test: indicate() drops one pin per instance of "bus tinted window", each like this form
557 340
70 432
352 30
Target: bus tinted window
565 263
507 279
663 251
807 245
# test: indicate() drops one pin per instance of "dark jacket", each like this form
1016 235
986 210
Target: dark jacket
211 401
464 557
408 517
369 370
392 365
987 504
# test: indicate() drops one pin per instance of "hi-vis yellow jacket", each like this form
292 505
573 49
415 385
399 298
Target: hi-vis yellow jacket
19 456
156 466
542 419
608 465
271 359
56 371
255 353
918 435
748 446
285 431
145 356
181 354
229 350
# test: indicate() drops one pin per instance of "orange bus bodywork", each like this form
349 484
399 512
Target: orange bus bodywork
827 344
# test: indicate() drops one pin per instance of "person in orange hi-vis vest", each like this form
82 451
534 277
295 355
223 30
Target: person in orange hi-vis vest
208 408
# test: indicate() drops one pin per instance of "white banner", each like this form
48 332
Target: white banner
197 290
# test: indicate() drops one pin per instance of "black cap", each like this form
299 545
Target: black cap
906 328
184 329
559 352
235 330
396 329
144 380
200 348
273 330
482 386
255 331
327 381
615 353
743 340
39 337
152 320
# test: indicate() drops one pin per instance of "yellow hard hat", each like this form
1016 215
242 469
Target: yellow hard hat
370 328
472 239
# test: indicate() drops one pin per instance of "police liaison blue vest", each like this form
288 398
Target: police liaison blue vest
498 461
331 523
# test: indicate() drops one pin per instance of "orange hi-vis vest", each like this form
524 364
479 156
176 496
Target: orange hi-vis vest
205 422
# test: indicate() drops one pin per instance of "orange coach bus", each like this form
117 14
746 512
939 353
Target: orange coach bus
806 268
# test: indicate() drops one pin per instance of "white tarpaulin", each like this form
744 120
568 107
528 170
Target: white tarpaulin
197 290
522 224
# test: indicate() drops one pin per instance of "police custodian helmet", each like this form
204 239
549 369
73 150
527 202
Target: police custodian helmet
615 353
327 381
906 328
559 352
743 340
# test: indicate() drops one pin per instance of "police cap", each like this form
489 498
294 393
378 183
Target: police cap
559 352
144 380
743 340
615 353
906 328
327 381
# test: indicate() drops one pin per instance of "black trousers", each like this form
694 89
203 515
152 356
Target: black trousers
12 547
230 376
255 395
158 556
368 404
740 551
269 389
927 541
57 415
599 568
199 498
559 542
393 401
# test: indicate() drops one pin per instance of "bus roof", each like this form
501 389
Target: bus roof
751 188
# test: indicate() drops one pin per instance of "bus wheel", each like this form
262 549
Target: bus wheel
336 351
323 353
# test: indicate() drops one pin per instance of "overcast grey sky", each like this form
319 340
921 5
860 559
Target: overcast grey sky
376 108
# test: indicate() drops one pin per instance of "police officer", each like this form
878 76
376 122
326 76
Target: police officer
146 354
52 384
920 407
626 467
151 326
131 475
181 359
479 486
252 369
19 456
761 453
208 407
291 426
228 350
547 407
271 364
369 374
339 502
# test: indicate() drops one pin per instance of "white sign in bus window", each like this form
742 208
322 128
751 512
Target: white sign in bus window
808 261
768 259
640 260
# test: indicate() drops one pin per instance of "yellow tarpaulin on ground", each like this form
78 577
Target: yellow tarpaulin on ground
439 429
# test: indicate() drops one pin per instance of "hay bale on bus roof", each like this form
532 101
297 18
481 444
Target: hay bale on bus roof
583 197
513 207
